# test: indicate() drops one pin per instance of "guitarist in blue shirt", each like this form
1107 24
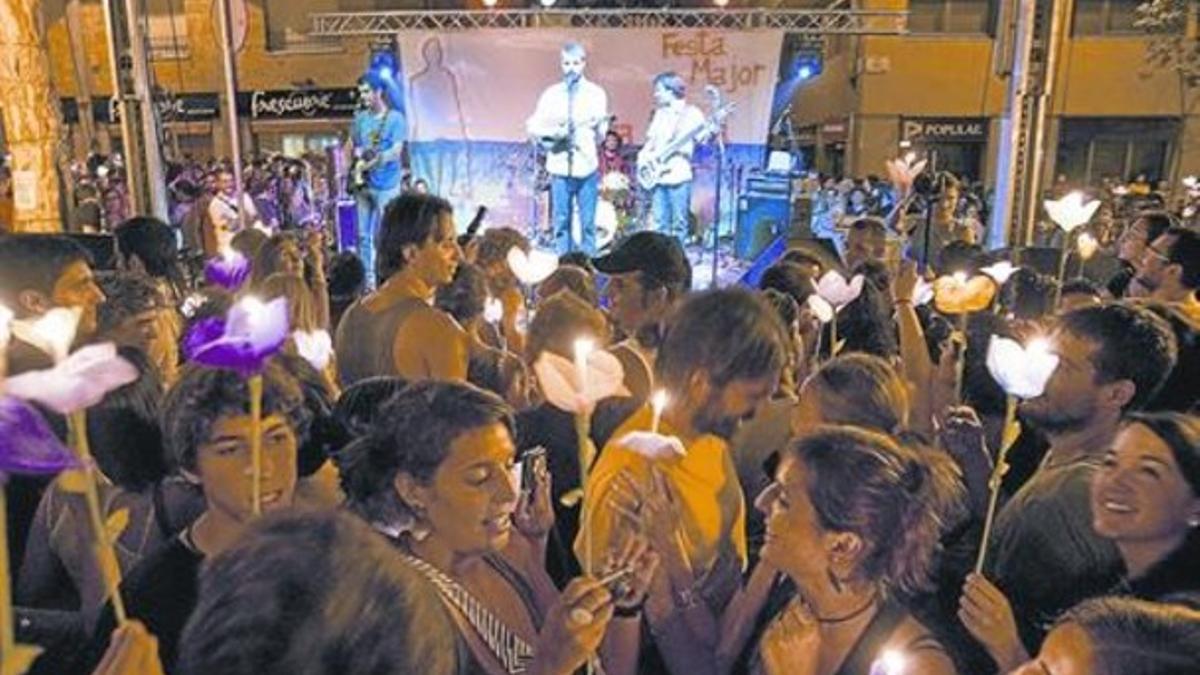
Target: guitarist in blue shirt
378 134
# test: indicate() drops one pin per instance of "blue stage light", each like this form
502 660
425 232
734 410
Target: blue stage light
804 72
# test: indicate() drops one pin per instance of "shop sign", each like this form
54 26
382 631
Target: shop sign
292 104
181 108
944 129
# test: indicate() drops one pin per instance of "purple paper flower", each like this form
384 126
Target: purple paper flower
243 340
27 446
228 270
77 382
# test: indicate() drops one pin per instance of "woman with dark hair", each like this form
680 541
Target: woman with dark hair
1120 636
315 594
1146 499
437 477
359 407
853 520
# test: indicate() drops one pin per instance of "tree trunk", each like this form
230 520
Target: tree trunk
31 124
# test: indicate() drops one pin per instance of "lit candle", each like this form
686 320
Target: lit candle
658 402
583 349
960 278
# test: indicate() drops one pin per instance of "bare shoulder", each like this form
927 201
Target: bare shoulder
434 323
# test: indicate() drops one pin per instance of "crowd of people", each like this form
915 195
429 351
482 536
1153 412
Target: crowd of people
765 487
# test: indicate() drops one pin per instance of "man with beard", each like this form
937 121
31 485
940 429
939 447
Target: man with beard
721 358
1168 274
1044 553
648 276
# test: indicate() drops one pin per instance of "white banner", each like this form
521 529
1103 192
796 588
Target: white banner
482 85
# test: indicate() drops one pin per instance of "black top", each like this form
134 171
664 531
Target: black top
161 592
1179 572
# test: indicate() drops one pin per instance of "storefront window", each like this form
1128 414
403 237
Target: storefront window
950 16
1102 17
1092 149
166 30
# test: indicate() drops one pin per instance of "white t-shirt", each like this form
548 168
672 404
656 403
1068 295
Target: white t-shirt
588 110
672 121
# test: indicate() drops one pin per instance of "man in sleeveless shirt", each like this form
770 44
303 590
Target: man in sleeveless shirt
396 330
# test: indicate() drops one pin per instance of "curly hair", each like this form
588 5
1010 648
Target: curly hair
465 297
202 395
315 594
413 436
893 497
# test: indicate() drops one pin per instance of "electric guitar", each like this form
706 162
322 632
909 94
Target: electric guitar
651 170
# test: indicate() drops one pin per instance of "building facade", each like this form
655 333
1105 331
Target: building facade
941 88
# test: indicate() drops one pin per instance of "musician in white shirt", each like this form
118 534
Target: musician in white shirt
674 118
223 211
571 119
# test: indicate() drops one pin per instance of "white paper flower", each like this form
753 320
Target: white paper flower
1000 271
52 332
316 347
1071 211
651 445
1191 182
837 291
1087 245
820 308
1021 371
904 171
560 381
533 267
77 382
922 292
493 310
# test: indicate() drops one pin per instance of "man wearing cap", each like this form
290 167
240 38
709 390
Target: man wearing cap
648 275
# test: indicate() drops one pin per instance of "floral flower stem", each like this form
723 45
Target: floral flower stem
106 558
7 639
1063 255
255 384
833 338
1008 438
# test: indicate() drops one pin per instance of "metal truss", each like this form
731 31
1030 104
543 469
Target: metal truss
832 21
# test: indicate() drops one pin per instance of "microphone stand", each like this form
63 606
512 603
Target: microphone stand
931 202
716 228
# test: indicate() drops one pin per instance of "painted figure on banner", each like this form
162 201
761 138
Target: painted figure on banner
570 121
378 135
441 152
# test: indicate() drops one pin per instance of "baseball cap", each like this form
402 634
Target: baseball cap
658 256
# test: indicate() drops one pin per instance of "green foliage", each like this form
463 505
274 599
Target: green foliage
1166 22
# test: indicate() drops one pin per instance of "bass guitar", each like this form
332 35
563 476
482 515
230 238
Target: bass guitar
651 169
